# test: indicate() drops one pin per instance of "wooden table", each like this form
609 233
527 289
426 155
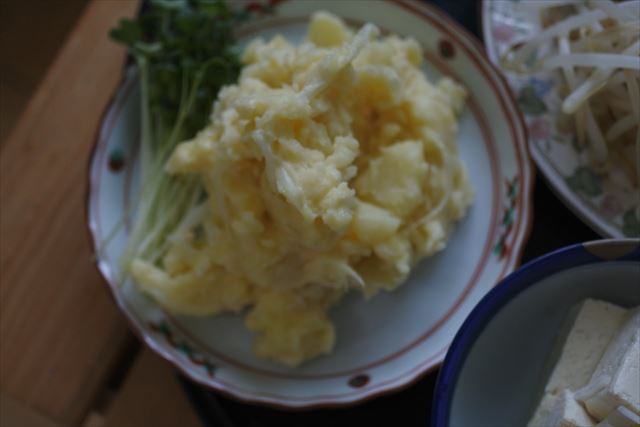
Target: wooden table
66 355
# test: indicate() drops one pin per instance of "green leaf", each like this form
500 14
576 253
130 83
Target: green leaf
147 49
212 7
169 4
184 51
631 223
585 181
127 32
529 101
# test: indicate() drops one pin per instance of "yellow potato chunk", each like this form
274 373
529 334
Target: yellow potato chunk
290 330
327 30
373 224
394 179
194 294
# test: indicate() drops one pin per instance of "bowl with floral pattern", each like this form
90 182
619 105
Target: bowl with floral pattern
608 201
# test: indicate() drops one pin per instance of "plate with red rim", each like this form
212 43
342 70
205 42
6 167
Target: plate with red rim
389 341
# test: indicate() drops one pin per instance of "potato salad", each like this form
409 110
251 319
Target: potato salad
330 166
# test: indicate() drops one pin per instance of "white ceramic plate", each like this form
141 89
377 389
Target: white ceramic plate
391 340
607 203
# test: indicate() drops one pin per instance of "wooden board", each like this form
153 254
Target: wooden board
59 329
16 414
31 34
150 396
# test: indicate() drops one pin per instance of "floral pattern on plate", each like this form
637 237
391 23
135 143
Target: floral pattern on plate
608 202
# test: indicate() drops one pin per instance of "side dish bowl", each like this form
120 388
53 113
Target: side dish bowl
606 202
496 367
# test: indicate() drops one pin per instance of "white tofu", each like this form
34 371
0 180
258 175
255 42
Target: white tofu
618 347
620 417
626 382
596 324
569 413
622 387
597 376
544 410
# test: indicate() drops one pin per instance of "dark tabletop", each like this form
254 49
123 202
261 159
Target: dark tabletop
554 226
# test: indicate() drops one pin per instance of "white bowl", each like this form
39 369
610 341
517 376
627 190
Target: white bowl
498 364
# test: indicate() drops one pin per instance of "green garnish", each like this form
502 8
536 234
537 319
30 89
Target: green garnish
184 53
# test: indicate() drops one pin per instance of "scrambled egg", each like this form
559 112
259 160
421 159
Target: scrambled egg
330 165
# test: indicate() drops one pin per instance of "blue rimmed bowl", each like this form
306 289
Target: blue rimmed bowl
497 365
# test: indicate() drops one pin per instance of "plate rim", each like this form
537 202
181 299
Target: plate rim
576 204
520 149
